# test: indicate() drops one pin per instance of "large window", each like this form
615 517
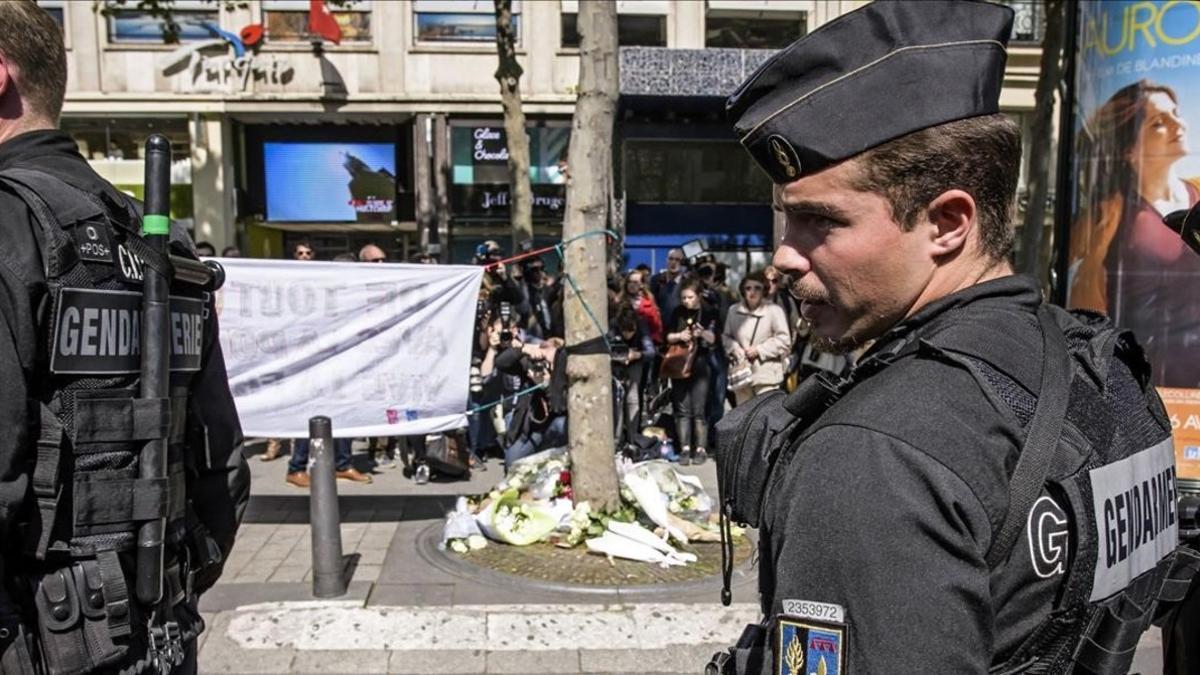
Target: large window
287 20
759 30
136 26
459 20
55 8
639 24
693 172
115 148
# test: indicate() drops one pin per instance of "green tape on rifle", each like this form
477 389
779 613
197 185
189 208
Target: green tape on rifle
153 224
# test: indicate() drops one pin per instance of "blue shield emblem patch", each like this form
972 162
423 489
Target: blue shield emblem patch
809 648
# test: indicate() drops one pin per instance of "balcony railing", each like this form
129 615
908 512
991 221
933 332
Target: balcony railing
660 71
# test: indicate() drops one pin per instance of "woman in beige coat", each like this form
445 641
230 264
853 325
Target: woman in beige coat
756 334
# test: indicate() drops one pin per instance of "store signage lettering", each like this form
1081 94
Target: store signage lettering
373 205
228 71
227 68
490 199
490 145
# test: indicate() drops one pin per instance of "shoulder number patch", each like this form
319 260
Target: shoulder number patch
809 648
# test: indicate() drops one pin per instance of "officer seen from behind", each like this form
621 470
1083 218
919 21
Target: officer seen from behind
992 489
72 424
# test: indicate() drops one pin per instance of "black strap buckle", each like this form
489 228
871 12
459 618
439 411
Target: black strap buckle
166 646
718 664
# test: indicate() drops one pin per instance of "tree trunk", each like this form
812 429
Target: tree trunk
1036 261
589 163
508 74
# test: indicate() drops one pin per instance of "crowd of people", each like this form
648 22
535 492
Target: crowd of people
685 347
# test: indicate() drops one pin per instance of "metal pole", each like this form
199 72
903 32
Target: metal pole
1064 192
329 578
155 360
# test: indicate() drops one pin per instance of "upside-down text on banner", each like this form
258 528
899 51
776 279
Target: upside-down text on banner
382 350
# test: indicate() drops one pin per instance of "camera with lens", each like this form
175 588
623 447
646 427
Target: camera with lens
476 382
618 349
506 325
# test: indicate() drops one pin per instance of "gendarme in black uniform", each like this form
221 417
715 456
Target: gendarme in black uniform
992 489
70 498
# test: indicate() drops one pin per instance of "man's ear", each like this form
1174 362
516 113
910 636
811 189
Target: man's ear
5 76
952 217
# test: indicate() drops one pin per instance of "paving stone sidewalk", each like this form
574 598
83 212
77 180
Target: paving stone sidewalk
404 613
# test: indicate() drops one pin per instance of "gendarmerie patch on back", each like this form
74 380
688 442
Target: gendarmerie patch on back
98 332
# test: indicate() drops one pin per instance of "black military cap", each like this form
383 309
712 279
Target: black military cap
882 71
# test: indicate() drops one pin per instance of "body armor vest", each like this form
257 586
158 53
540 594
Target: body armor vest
79 538
1102 453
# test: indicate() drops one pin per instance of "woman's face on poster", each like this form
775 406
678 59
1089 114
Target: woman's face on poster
1164 133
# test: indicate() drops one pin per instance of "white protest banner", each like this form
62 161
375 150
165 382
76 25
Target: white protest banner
382 350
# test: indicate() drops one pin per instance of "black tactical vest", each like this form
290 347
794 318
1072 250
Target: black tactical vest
1101 458
91 425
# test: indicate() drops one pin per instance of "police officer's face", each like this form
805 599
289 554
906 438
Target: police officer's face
856 271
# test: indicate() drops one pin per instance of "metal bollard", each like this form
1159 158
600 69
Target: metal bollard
329 578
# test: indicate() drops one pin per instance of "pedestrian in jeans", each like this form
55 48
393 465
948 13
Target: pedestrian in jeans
693 323
757 340
298 465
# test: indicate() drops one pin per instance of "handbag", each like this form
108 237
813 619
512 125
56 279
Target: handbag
677 362
447 454
740 376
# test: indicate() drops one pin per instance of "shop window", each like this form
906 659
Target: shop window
115 148
127 25
287 20
459 20
633 30
479 190
759 30
693 172
56 9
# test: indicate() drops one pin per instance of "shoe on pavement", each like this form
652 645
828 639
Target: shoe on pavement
274 450
422 475
299 479
685 457
354 475
699 457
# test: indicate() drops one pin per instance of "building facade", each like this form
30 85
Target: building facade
395 135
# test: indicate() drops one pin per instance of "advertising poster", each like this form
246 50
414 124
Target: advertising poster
1138 159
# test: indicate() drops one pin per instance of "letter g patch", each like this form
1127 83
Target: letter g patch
1048 535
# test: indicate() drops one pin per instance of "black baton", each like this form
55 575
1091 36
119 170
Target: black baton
156 355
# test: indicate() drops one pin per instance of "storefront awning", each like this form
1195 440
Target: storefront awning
374 228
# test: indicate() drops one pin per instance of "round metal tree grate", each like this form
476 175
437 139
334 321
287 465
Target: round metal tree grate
547 562
550 567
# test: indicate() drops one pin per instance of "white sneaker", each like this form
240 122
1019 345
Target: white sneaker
422 475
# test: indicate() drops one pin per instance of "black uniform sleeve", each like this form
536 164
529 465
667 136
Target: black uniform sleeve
22 283
221 489
867 522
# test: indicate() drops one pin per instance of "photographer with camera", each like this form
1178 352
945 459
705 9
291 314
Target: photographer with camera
537 420
632 348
